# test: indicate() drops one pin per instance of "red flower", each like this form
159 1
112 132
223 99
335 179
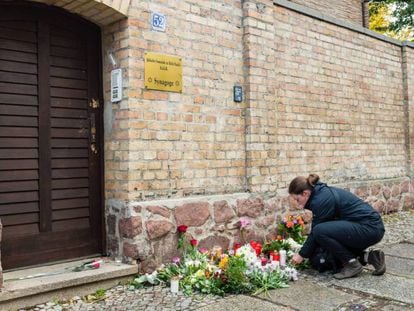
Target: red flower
182 228
193 242
236 246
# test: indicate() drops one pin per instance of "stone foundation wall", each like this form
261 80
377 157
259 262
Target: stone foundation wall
146 231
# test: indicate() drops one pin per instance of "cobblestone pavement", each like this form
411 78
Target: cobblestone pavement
399 227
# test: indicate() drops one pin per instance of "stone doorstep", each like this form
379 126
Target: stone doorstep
62 286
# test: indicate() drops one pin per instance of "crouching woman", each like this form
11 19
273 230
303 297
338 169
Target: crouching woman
342 224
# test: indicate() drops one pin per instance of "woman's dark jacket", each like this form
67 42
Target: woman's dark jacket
330 203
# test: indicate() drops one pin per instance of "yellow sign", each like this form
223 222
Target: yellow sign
163 72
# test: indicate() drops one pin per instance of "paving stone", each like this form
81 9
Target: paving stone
312 296
395 307
242 302
404 250
400 266
386 286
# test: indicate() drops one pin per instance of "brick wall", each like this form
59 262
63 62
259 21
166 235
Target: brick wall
115 40
408 82
319 98
348 10
261 125
164 144
339 100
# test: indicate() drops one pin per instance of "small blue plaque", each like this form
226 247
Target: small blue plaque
158 21
238 94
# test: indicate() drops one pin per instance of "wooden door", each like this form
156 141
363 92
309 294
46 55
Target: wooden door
50 131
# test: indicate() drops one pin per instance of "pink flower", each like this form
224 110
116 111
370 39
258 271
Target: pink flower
244 222
96 265
175 260
93 264
203 250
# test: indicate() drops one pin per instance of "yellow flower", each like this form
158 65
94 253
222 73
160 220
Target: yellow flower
199 273
224 262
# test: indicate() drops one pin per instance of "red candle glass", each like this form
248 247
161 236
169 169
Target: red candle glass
258 249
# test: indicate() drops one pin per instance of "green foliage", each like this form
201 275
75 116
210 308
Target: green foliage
394 18
235 279
100 293
275 245
263 282
206 273
56 301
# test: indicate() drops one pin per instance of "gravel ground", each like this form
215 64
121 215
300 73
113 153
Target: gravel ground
399 227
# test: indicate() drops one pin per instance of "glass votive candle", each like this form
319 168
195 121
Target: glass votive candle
174 285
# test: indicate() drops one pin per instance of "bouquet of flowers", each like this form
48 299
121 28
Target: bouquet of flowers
245 269
292 226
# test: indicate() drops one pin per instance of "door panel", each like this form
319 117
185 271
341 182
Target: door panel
50 179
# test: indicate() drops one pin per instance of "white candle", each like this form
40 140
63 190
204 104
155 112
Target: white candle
282 254
174 285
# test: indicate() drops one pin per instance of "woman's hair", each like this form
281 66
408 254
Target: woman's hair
301 183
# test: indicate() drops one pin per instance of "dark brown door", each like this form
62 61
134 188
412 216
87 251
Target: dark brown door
50 126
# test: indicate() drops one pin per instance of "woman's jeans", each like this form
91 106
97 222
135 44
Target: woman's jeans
345 239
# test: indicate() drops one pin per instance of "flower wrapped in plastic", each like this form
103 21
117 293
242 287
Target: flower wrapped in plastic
292 226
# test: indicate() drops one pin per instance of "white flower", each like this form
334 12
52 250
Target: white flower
291 273
294 246
248 253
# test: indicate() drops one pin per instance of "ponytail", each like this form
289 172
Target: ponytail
301 183
312 180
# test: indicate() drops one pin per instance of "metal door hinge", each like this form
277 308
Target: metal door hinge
94 103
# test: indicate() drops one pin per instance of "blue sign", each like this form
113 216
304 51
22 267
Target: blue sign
158 21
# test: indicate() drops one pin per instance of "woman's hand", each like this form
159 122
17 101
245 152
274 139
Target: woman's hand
297 259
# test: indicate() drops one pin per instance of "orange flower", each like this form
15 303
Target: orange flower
279 238
289 224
